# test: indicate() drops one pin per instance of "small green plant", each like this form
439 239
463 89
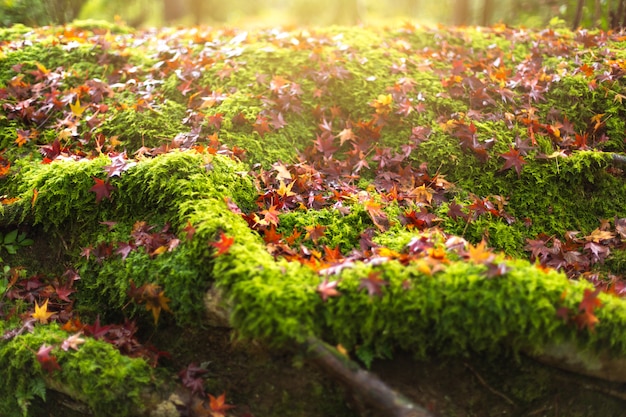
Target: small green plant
14 240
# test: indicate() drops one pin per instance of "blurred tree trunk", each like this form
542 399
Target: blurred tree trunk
348 12
409 8
615 15
64 11
172 10
461 12
196 10
597 13
488 6
578 17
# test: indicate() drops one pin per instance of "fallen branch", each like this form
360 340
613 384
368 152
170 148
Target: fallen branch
484 384
373 392
619 159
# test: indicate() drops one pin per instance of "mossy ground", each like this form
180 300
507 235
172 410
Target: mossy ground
187 106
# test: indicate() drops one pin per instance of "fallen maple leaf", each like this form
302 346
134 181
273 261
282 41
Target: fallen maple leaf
328 289
155 301
315 232
64 291
513 159
47 361
41 314
72 342
218 405
373 284
152 295
270 216
191 377
479 253
590 300
223 244
77 109
189 231
102 189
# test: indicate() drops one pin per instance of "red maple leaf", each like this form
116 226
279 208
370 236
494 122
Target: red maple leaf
189 230
261 126
513 159
590 300
102 189
315 232
373 284
64 291
455 211
223 244
324 143
117 166
96 330
124 249
586 316
47 361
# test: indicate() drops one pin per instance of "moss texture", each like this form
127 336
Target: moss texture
183 104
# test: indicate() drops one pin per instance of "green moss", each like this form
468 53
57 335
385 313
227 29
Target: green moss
341 230
453 311
110 383
149 127
82 59
17 31
62 192
616 262
101 26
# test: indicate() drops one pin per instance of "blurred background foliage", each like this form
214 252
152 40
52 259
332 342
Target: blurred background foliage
604 14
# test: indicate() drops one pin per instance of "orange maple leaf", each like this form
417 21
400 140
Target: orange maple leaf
218 405
155 303
590 300
4 169
154 297
479 253
223 244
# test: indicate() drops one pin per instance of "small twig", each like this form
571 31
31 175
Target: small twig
373 391
482 381
540 410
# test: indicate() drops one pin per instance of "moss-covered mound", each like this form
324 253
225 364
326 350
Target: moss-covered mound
429 190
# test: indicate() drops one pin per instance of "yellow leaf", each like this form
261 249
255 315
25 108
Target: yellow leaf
387 253
423 267
41 314
35 194
342 350
161 249
77 109
479 253
41 68
285 190
599 235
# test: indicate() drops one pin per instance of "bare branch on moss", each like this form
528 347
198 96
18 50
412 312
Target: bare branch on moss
484 384
371 390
